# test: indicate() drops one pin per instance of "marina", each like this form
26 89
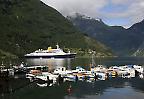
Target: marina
64 76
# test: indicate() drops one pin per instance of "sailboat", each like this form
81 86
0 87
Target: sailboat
98 71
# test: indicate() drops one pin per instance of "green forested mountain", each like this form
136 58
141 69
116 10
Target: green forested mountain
26 25
123 42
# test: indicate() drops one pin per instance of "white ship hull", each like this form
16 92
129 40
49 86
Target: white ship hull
72 55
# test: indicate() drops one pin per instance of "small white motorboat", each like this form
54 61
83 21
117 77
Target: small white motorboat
138 68
62 71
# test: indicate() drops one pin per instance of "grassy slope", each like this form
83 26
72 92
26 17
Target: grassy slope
27 25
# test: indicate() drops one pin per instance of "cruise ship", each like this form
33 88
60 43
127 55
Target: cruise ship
50 53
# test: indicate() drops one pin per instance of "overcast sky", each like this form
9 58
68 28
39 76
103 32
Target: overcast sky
112 12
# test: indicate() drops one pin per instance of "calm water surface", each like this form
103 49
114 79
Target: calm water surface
116 88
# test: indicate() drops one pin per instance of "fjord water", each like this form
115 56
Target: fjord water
113 88
71 63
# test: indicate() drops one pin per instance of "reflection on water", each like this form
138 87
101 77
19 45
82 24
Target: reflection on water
110 89
45 61
85 62
116 88
51 63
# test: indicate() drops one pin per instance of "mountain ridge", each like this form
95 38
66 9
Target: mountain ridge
124 42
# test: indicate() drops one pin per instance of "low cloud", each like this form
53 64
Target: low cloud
68 7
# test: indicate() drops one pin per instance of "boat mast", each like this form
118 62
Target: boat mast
93 62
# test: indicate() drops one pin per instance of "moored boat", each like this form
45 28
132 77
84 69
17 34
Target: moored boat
138 68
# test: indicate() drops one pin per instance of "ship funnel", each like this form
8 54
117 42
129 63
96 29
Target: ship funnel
49 48
57 46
